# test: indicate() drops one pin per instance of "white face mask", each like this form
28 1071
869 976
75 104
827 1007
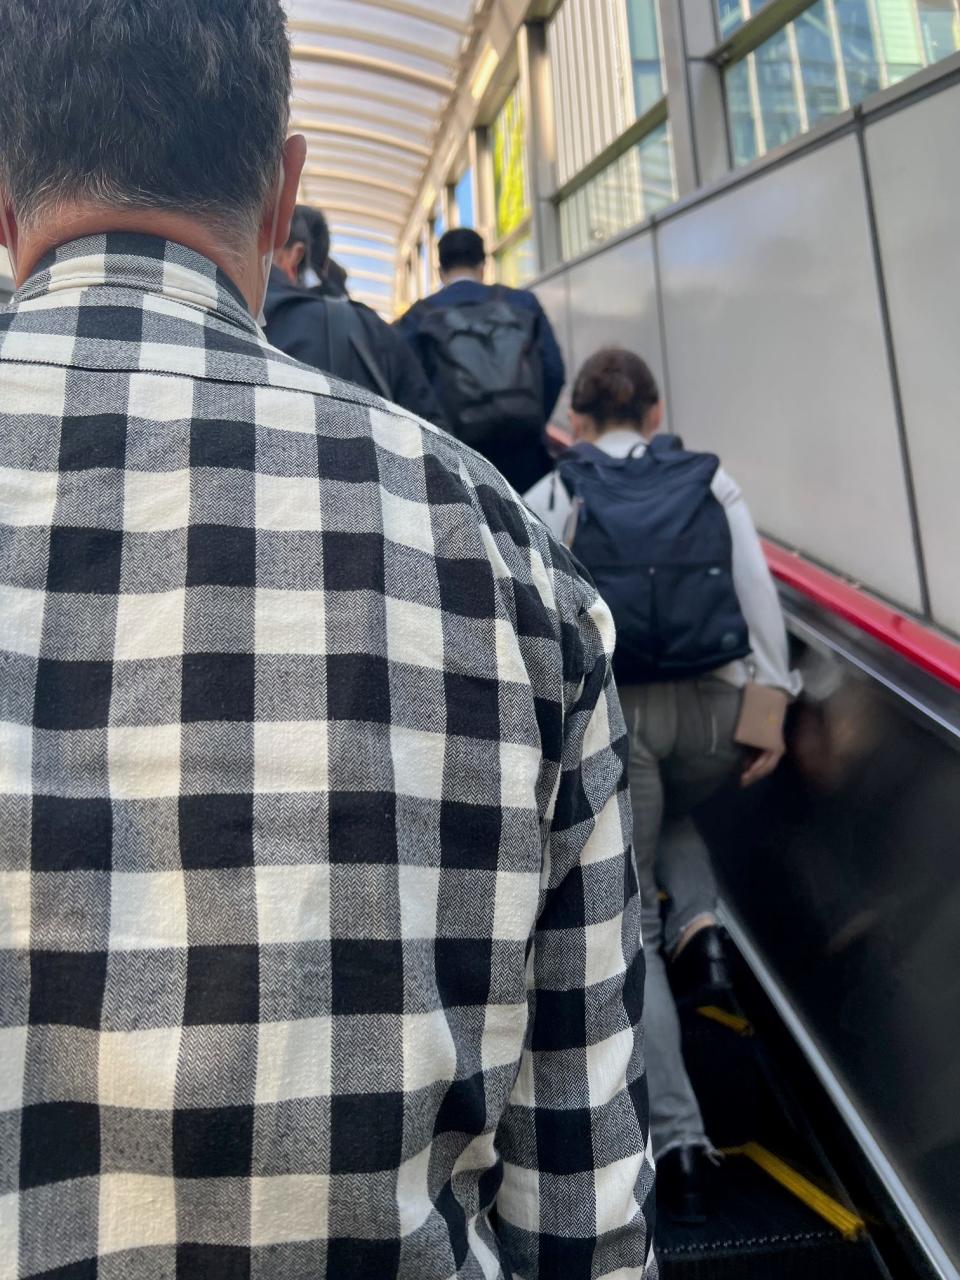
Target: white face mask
266 262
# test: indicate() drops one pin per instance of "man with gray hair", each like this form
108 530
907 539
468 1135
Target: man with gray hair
318 920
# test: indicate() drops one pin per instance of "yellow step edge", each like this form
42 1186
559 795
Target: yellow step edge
849 1224
726 1019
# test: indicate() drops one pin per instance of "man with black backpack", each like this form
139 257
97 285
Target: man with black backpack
336 334
491 357
702 668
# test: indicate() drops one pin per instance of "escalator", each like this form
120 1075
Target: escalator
833 1087
777 1207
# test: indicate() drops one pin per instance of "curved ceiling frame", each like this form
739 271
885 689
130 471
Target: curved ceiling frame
370 36
369 117
344 175
360 91
347 231
419 13
377 66
370 143
388 141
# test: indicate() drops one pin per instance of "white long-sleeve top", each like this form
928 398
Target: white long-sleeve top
769 662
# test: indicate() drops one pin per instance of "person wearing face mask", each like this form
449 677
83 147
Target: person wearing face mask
338 335
310 769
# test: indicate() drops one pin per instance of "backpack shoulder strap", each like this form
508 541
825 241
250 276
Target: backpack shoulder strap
346 339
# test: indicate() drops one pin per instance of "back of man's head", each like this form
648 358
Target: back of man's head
319 241
173 105
461 250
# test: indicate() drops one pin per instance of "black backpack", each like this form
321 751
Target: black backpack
657 544
484 361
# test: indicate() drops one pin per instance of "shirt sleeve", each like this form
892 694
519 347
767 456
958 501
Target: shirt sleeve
757 593
577 1192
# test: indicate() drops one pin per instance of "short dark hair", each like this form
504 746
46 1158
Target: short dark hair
615 385
461 247
146 104
318 244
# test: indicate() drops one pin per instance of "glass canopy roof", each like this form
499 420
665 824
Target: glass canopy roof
372 82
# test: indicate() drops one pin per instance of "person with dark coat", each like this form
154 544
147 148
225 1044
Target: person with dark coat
341 337
523 460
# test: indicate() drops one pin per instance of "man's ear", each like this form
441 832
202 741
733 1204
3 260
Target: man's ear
275 235
9 231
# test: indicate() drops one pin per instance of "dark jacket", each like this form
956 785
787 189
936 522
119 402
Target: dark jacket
296 323
525 464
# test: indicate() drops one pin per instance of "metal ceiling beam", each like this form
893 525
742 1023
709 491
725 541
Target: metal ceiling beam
364 211
352 232
343 175
360 91
306 125
378 66
421 14
375 277
352 113
352 151
371 35
352 251
372 167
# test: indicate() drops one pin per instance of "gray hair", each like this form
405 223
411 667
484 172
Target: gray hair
143 104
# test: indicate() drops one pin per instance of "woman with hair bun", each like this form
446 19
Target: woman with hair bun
703 672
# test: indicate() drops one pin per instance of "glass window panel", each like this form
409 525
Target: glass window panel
463 199
732 14
777 90
633 187
606 65
830 57
818 64
511 189
658 184
516 265
744 121
644 28
861 63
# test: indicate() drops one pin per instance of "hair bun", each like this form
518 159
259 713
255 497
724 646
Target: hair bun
615 385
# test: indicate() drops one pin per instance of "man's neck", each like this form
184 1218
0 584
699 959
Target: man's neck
454 277
78 222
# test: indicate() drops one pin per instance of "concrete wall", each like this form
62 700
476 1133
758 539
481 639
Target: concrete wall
776 351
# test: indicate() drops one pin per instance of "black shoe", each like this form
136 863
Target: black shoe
699 975
681 1185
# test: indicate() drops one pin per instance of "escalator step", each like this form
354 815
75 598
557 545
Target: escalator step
757 1229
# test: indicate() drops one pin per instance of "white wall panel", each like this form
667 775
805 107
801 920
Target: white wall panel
916 184
554 295
613 302
777 360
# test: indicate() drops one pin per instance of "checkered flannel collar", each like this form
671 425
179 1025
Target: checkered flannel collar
147 264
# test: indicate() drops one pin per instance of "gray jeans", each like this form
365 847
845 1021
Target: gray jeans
681 751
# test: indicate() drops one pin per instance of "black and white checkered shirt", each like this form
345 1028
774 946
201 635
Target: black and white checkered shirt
319 947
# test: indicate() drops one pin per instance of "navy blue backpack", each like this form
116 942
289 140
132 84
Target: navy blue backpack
657 544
